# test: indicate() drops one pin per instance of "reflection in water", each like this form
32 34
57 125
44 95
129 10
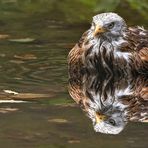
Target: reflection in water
110 84
115 100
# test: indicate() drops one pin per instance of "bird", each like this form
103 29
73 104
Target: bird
110 37
110 50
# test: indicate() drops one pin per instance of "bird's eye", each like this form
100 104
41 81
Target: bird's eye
112 122
111 25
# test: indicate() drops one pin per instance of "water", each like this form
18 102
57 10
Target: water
35 70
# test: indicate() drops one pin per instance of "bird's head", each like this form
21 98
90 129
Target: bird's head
109 123
108 24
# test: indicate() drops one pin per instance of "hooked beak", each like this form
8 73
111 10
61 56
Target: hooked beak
98 30
100 117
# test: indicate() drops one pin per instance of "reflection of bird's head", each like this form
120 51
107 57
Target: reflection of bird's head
108 23
111 122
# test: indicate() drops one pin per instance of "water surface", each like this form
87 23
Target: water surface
35 38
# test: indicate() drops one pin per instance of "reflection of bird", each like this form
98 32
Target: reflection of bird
111 103
109 49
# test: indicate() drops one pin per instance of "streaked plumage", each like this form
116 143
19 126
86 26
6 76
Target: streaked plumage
107 52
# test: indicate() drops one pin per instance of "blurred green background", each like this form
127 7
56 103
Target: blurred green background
77 11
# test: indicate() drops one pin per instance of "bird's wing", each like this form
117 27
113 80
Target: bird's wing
76 52
75 68
137 38
137 43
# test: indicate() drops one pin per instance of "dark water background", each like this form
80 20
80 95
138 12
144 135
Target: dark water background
35 38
